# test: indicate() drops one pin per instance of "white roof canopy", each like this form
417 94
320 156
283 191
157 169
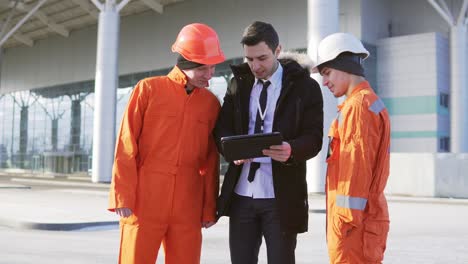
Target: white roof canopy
30 20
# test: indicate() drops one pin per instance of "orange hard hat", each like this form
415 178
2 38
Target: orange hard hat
199 43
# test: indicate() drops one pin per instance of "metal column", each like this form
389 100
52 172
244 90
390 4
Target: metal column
322 20
459 68
458 90
105 89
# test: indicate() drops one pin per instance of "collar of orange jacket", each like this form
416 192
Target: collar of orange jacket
360 86
178 76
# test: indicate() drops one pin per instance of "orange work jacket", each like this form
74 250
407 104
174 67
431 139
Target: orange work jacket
166 165
358 168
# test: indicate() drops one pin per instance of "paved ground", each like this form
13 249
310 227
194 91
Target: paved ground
423 230
53 203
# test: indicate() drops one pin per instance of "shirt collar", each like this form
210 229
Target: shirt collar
275 78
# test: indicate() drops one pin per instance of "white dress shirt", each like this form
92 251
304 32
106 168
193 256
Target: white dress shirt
262 186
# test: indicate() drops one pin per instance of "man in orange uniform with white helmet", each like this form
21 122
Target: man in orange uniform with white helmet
166 170
358 161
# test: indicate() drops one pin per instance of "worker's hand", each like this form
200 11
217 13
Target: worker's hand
279 152
123 212
239 162
208 224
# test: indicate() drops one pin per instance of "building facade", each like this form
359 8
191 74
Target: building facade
47 89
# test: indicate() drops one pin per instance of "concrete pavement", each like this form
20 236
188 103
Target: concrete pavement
48 203
423 230
69 203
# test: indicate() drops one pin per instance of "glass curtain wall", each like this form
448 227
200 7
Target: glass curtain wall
51 130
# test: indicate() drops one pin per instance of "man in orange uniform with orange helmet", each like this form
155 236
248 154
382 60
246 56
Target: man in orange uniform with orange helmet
166 170
358 161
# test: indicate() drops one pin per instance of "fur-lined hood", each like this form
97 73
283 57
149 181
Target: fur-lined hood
294 64
302 58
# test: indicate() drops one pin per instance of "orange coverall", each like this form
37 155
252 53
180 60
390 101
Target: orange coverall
166 170
358 169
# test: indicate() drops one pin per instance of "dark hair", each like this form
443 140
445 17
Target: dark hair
260 31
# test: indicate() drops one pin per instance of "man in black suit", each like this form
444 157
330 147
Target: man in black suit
268 196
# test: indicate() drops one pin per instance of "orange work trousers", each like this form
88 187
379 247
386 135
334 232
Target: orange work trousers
364 244
181 242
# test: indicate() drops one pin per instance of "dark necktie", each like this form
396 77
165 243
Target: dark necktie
259 126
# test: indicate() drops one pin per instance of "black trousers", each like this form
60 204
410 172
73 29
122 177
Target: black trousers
250 219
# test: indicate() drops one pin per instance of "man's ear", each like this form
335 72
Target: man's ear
278 50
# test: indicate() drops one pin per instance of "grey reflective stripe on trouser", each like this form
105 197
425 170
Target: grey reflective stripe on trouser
351 202
377 106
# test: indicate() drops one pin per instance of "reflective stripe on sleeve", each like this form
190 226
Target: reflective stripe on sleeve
350 202
377 106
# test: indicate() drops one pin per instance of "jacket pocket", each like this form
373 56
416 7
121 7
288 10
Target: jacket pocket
375 240
161 123
341 228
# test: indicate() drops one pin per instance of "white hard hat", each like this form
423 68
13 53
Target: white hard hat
335 44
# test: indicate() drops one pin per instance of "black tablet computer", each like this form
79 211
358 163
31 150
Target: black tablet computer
248 146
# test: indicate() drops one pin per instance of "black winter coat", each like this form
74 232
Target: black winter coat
299 118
